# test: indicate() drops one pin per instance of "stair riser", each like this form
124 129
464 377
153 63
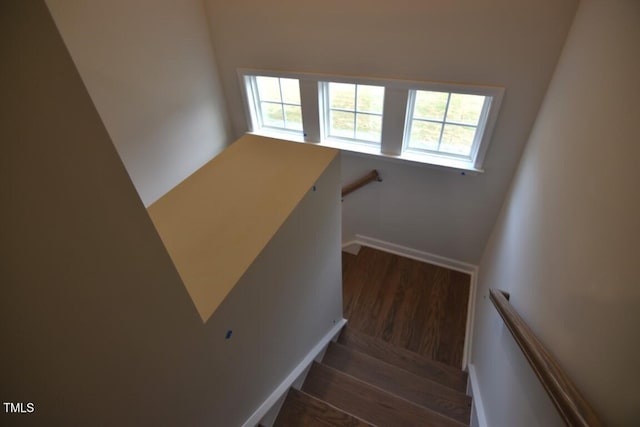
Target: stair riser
369 403
397 381
301 409
414 363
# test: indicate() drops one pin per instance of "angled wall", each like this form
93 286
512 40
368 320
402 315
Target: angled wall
97 327
151 72
95 322
565 245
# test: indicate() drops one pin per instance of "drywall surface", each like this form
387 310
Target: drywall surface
565 245
288 299
151 72
216 222
97 327
494 42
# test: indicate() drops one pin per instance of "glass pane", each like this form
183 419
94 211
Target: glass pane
342 95
272 114
294 117
268 88
465 108
290 91
368 127
370 98
341 124
457 139
424 135
430 105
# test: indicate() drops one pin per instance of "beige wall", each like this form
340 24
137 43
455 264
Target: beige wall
217 221
514 44
151 72
565 245
96 326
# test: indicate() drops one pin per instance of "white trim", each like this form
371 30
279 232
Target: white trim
471 315
393 125
351 247
395 120
310 110
470 269
415 254
407 157
478 408
299 370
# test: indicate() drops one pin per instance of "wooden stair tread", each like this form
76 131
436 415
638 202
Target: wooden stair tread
402 383
405 359
368 402
304 410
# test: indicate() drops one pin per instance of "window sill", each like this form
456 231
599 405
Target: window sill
364 150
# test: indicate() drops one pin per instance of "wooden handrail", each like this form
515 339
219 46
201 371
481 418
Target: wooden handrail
573 407
370 177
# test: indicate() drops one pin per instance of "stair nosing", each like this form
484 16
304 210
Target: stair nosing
435 362
448 369
458 402
398 367
334 406
383 391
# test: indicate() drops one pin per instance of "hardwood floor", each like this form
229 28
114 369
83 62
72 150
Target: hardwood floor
417 306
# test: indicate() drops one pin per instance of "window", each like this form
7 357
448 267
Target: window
276 103
441 124
445 123
354 111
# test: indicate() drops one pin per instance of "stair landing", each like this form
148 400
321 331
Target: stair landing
411 304
398 362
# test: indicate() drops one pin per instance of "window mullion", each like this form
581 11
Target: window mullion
310 104
355 114
284 115
394 114
444 120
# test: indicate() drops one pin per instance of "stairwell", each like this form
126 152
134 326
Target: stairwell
364 379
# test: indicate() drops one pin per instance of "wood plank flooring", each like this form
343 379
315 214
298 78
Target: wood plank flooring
417 306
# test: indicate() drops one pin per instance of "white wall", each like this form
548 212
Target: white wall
151 72
288 299
96 325
565 245
494 42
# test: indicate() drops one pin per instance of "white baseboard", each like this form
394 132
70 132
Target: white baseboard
471 315
434 259
414 254
477 409
351 247
299 370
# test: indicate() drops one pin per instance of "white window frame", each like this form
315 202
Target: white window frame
479 133
253 100
396 117
326 107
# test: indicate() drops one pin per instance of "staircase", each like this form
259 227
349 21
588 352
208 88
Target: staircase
364 381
